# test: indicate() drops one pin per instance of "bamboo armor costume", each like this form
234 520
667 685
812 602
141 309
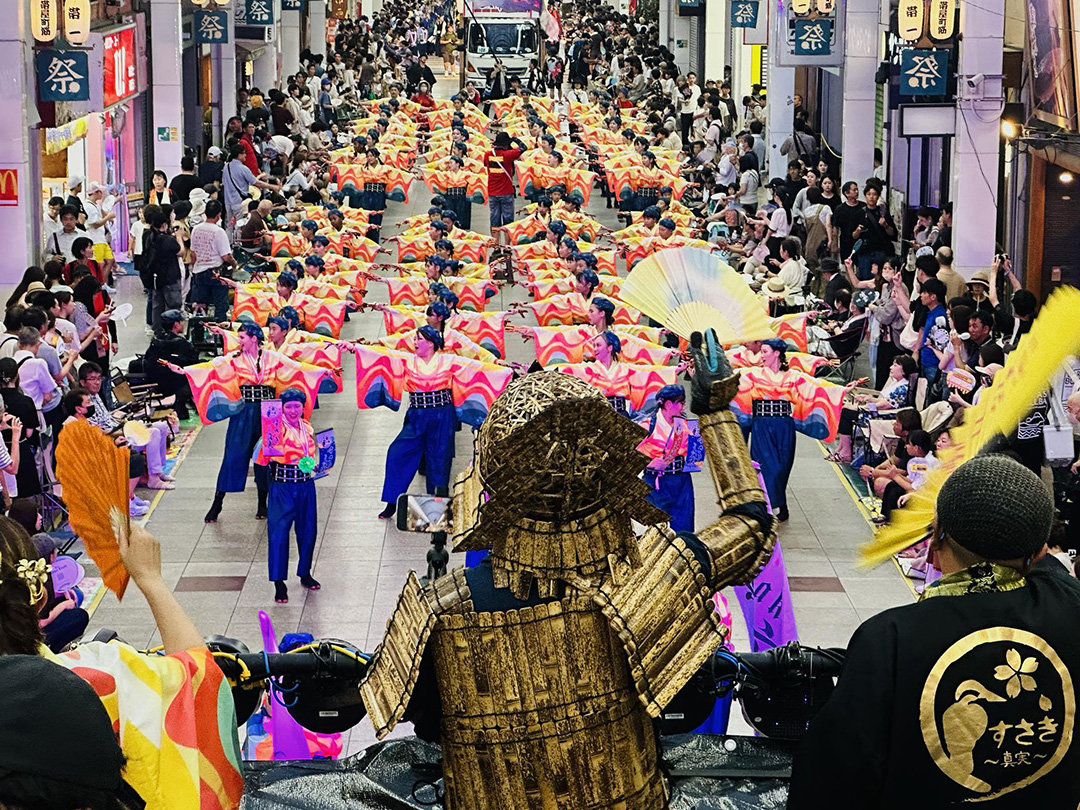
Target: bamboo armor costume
542 669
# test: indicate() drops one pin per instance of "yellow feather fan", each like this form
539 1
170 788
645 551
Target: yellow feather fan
93 472
1027 373
689 289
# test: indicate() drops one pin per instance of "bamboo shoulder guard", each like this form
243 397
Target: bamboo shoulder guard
663 613
395 665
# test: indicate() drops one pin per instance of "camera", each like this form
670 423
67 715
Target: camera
975 81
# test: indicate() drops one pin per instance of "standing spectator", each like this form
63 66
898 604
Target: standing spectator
210 169
688 104
247 144
171 346
955 285
181 186
83 250
847 218
75 186
21 407
932 297
61 243
211 247
877 231
1012 325
238 179
36 381
97 228
51 221
159 191
280 116
500 161
419 72
163 249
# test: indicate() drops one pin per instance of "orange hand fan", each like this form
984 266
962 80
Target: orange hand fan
94 474
688 289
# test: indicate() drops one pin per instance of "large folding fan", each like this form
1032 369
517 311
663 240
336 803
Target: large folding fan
688 289
93 472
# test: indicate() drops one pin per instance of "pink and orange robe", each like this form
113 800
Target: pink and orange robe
573 344
637 248
304 347
396 180
792 328
486 329
546 288
417 248
539 269
637 384
455 342
528 229
815 404
532 178
384 376
293 245
574 308
741 357
472 184
471 292
322 315
215 385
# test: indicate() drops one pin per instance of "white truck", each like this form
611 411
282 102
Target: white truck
513 38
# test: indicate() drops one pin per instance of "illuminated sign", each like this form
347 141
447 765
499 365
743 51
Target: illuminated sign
119 48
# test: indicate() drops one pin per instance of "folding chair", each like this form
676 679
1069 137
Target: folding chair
845 348
138 401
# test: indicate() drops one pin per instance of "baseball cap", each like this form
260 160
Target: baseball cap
172 316
214 151
75 180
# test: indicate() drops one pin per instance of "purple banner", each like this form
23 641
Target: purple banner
766 606
504 6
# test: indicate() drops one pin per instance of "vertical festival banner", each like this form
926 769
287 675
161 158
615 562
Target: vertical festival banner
76 21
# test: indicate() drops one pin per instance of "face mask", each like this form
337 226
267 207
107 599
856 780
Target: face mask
90 412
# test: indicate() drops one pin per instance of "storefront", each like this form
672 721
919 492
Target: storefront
105 140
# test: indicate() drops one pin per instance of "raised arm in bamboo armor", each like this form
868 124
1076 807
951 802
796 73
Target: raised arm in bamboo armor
542 670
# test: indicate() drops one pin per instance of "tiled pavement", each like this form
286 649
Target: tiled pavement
219 570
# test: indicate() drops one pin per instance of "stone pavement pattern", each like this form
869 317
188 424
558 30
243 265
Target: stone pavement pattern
219 571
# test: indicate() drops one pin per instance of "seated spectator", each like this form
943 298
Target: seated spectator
832 281
790 267
905 422
164 708
24 511
36 381
19 407
90 378
920 451
62 618
850 314
893 395
78 405
171 347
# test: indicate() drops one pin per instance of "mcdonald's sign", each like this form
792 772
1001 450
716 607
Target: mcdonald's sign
9 186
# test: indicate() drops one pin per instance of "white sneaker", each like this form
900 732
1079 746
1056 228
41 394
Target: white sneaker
108 289
137 511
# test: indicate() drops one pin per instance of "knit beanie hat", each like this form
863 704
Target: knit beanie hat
995 507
